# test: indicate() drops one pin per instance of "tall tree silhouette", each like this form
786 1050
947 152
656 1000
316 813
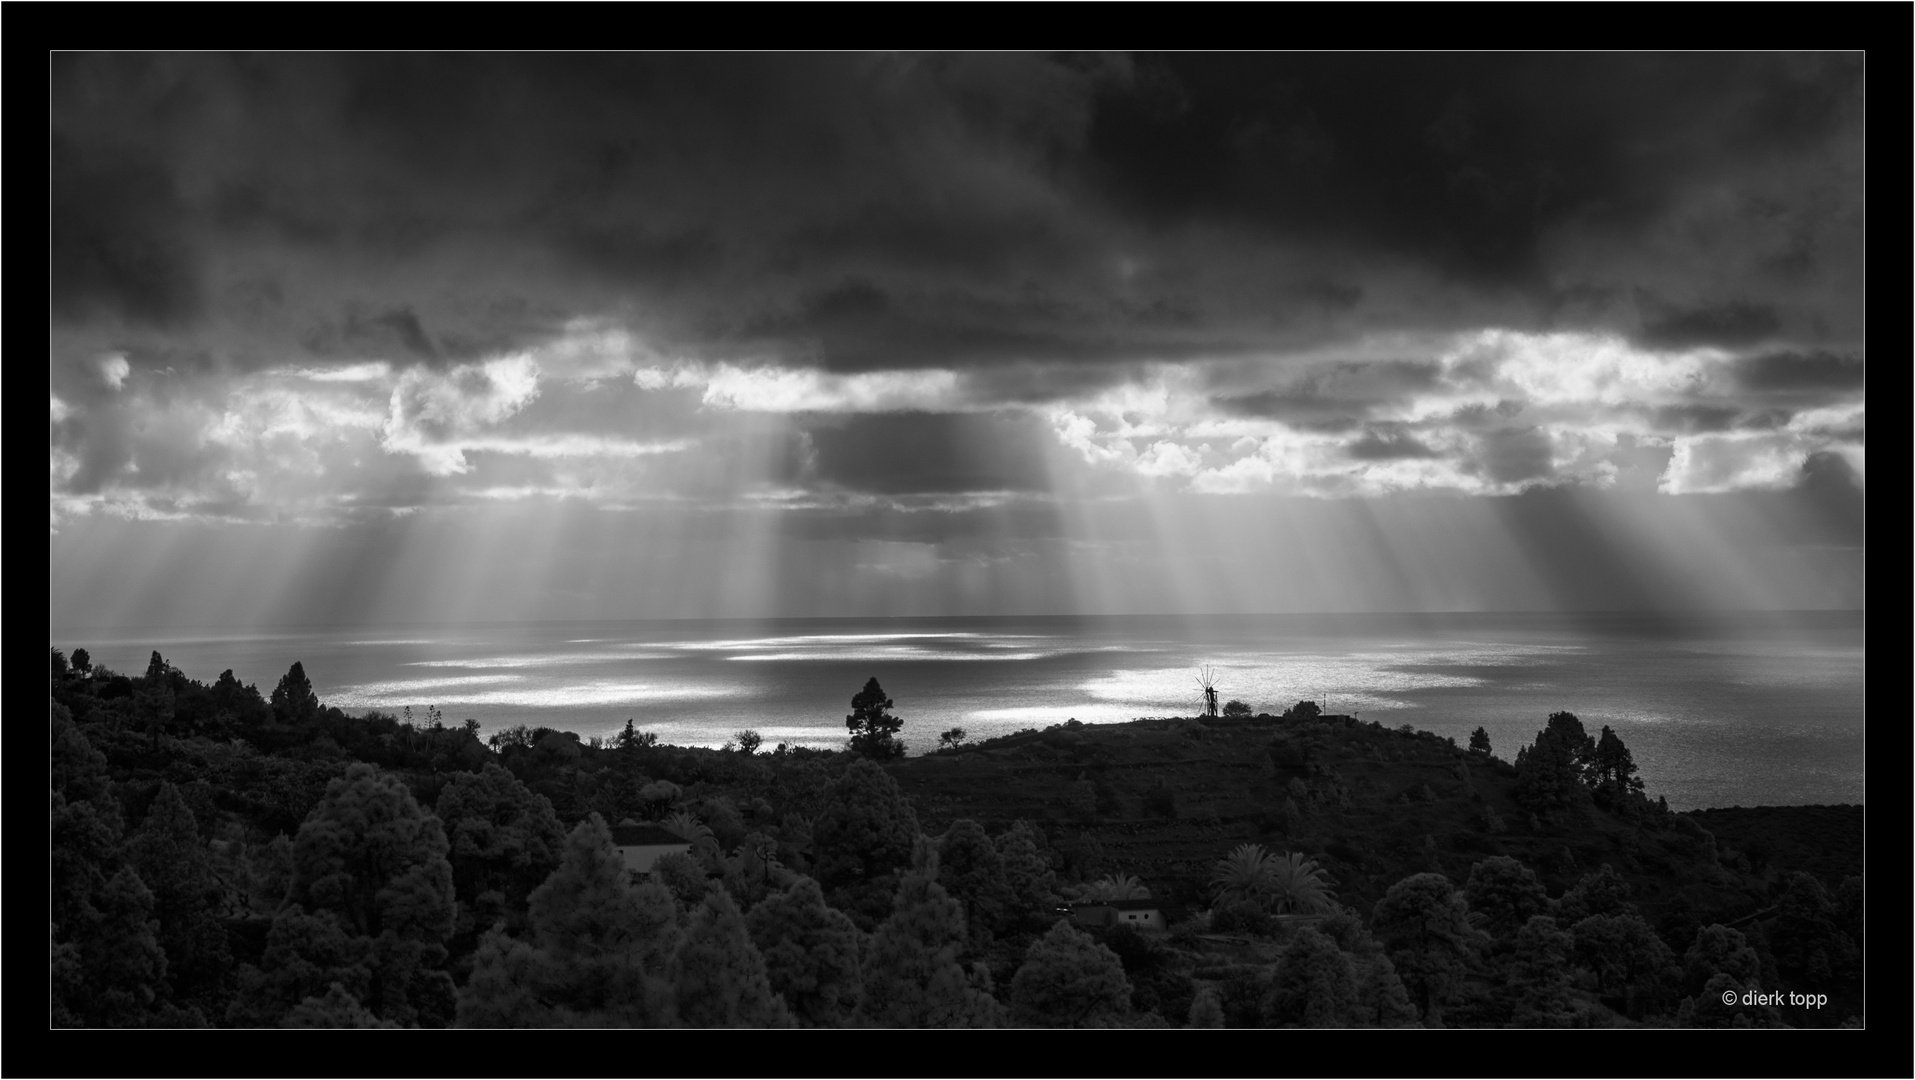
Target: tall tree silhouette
873 729
293 700
1613 770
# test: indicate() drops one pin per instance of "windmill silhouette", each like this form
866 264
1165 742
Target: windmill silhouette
1210 691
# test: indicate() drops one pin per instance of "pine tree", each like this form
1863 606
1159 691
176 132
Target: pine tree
1550 772
1569 732
1503 895
719 974
504 840
605 941
507 987
1613 770
1028 874
873 729
600 953
109 966
1069 980
120 953
972 871
1536 989
1624 953
1382 999
78 769
811 953
167 852
305 954
1602 891
912 978
1315 985
372 858
294 703
863 839
1424 923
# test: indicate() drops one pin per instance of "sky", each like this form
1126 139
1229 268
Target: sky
345 339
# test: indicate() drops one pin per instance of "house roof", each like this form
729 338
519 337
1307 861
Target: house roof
645 836
1120 905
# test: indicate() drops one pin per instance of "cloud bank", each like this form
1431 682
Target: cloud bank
880 295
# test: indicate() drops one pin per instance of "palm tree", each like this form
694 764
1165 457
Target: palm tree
1287 882
1244 874
686 826
1298 884
1111 887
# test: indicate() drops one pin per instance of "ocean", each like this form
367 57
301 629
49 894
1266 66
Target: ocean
1762 709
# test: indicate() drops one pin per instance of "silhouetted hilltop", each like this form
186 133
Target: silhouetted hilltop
1373 804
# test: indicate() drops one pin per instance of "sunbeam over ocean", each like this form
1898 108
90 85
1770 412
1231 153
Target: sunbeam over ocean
1762 708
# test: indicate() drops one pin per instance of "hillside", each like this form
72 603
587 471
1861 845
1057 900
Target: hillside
1372 804
1822 840
206 806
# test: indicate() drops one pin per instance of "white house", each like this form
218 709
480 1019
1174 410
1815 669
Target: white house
641 846
1142 914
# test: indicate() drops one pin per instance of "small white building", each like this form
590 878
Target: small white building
641 846
1141 914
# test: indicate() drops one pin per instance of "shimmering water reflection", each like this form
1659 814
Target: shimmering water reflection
1764 709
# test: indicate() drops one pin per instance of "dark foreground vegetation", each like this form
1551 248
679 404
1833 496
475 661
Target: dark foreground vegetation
223 858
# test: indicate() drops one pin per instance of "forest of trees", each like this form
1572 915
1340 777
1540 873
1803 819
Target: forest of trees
222 858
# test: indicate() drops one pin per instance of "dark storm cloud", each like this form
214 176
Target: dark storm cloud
857 325
1801 371
1727 324
116 248
395 334
1481 166
1073 201
358 268
932 453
